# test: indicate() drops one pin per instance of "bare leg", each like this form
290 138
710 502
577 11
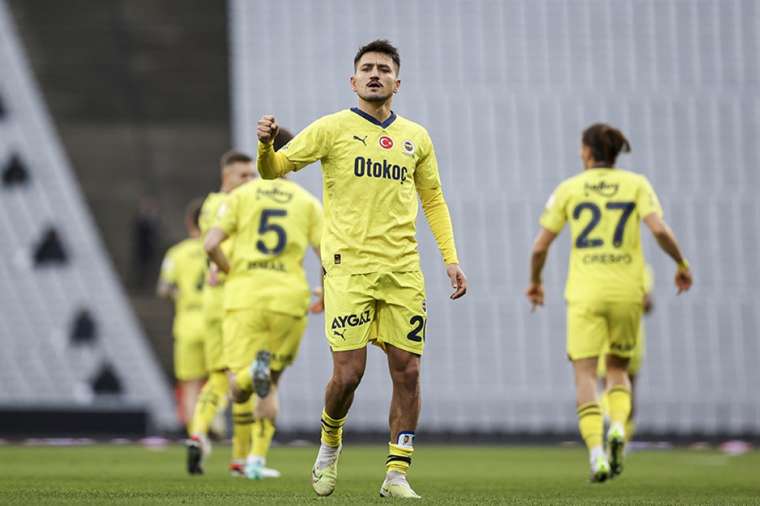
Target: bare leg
632 379
405 403
585 380
617 372
348 369
190 391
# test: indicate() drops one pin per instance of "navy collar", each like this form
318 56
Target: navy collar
373 120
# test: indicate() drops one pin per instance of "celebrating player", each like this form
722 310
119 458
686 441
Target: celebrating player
236 169
375 164
181 279
605 285
272 224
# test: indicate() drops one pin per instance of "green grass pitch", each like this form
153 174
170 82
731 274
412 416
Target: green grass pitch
130 474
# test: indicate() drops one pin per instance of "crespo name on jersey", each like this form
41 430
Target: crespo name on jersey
364 166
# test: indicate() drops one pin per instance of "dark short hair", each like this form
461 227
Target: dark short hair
379 46
605 143
283 137
233 156
193 211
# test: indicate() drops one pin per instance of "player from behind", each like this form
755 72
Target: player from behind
605 285
637 356
375 166
181 279
272 224
235 169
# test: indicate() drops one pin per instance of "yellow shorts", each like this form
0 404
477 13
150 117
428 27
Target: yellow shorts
382 308
213 347
595 328
248 331
189 363
634 365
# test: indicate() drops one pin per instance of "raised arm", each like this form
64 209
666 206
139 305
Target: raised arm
269 163
668 243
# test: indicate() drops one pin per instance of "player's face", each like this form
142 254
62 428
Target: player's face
375 78
239 173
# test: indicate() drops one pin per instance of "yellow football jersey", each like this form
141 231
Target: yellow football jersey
184 266
213 296
604 208
372 172
272 224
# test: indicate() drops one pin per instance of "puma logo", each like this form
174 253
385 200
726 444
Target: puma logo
363 141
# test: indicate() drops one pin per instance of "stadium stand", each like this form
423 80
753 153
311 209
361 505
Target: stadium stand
70 343
505 103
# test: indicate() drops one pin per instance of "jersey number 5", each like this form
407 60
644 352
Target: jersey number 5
266 225
583 240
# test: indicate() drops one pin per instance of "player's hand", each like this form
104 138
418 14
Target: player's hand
683 280
319 304
266 129
458 280
535 294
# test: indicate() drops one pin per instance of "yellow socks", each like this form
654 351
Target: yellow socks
630 428
332 429
242 420
212 399
244 381
263 432
591 424
400 454
619 404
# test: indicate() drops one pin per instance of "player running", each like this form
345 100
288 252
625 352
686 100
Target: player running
271 224
181 279
375 165
637 356
605 285
236 168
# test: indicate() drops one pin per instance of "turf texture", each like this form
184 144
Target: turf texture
121 474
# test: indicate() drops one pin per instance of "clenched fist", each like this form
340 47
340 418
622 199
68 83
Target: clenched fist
266 129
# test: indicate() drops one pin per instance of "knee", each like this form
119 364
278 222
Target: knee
347 379
408 375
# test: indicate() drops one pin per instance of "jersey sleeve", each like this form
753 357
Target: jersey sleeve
426 176
169 268
311 144
227 214
206 218
427 181
554 217
646 199
315 224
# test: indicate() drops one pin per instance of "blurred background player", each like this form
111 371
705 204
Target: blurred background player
605 285
637 356
375 166
181 279
235 169
271 224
